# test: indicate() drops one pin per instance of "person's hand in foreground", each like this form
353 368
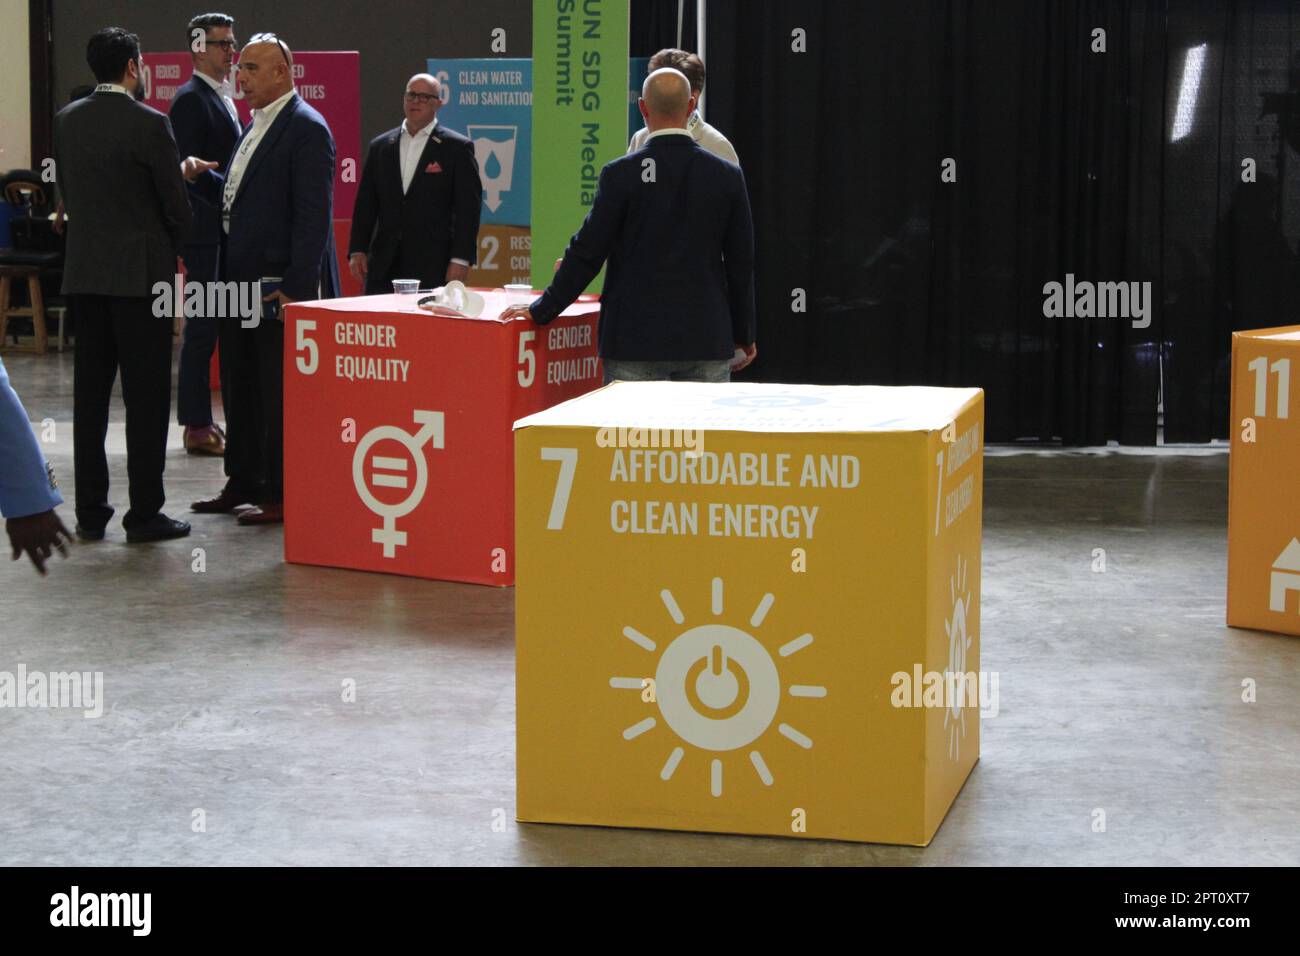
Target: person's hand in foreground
39 536
751 353
192 167
359 266
517 313
280 299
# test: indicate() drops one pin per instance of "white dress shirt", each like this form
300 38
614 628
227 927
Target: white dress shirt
411 146
223 91
262 120
707 136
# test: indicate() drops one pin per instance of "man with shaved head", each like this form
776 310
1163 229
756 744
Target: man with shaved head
418 203
276 202
671 223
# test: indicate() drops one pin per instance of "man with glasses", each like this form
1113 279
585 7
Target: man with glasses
276 203
418 202
206 124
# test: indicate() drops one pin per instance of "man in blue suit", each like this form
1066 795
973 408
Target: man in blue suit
277 210
205 123
671 223
28 494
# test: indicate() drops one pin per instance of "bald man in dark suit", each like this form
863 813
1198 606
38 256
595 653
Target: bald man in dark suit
419 200
671 224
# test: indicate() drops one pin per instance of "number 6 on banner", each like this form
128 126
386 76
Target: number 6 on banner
568 459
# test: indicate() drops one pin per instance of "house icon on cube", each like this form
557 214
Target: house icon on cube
1285 577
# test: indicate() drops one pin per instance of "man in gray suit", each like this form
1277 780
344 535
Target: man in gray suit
122 184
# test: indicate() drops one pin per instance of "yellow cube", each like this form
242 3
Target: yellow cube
1263 508
749 608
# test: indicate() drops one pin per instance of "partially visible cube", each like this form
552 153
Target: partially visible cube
1263 503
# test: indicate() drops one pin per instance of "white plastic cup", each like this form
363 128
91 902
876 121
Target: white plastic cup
519 293
406 286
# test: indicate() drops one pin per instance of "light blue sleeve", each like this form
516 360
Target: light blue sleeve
26 487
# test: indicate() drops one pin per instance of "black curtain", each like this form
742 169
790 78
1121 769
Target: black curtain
653 26
1114 166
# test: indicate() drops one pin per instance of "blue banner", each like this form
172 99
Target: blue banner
638 68
490 101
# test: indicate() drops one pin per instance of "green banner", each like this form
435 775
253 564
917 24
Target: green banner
579 116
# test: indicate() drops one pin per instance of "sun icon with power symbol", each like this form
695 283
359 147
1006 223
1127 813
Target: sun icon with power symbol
959 642
718 688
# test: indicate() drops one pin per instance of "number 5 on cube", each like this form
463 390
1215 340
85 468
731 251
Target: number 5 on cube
307 366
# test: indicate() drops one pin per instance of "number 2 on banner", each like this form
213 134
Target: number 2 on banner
489 245
568 459
308 365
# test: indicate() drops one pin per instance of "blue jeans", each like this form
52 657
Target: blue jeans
706 370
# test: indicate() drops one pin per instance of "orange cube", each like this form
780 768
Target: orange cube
1263 503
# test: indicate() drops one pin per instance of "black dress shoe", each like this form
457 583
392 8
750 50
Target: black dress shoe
90 534
223 503
263 514
158 528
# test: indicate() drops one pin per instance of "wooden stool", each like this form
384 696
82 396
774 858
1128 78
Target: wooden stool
59 312
36 309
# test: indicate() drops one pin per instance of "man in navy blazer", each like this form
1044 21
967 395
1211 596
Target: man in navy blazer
671 223
277 211
206 124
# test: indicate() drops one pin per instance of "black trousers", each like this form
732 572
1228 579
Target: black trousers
252 383
193 388
120 333
431 273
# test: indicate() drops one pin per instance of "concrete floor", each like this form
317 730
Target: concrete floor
1119 690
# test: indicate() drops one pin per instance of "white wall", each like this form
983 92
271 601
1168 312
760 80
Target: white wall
15 90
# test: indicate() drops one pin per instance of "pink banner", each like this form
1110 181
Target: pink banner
329 81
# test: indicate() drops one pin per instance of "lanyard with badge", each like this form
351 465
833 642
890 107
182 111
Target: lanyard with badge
232 184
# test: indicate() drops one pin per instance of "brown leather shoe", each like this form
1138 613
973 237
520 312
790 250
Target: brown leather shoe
221 504
264 514
205 441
